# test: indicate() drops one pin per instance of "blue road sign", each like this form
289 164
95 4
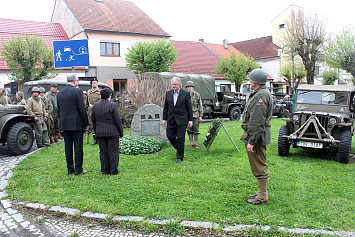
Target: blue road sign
71 53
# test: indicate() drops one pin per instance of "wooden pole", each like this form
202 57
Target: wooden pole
230 137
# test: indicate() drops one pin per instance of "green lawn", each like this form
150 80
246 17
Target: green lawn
304 192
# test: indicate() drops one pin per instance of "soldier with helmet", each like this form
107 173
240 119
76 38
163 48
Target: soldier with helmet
93 96
49 110
36 109
257 132
20 98
51 96
197 110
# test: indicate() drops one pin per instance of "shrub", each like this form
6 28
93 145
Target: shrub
139 145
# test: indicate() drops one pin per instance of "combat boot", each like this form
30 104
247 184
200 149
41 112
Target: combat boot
51 139
262 195
95 142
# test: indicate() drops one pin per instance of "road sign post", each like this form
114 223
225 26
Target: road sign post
71 53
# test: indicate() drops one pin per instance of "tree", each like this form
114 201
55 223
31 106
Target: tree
235 68
340 52
155 56
329 77
306 35
29 58
286 72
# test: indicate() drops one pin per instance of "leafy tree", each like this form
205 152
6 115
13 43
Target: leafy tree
286 72
329 77
29 58
340 52
155 56
306 35
235 68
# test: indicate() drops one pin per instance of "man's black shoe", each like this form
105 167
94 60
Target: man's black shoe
70 172
178 160
82 172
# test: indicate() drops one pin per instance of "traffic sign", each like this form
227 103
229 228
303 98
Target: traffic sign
71 53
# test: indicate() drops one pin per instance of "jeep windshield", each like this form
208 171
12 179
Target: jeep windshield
322 97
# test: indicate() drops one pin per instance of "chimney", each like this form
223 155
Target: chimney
225 43
201 40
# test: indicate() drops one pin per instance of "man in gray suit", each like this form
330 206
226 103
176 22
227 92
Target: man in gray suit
73 120
107 123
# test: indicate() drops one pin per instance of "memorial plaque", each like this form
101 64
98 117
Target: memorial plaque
147 121
150 127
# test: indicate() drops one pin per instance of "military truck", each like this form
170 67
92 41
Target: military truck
322 119
216 102
16 129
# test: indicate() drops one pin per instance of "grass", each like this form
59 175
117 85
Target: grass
305 190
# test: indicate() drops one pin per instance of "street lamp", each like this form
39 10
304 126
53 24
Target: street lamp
293 75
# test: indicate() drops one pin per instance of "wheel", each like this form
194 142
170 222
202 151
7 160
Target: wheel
280 114
234 114
20 138
344 146
283 146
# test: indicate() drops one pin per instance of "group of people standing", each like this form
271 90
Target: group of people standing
183 109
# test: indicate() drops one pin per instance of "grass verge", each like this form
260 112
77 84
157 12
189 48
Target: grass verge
306 190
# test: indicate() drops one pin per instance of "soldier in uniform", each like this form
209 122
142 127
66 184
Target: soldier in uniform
257 132
3 98
35 108
52 98
49 110
19 98
197 110
93 96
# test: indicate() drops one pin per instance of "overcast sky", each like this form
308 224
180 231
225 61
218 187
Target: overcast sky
211 20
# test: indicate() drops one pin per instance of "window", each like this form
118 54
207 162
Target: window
281 26
119 85
109 49
322 97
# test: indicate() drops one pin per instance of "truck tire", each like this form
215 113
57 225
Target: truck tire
344 146
283 146
234 114
20 138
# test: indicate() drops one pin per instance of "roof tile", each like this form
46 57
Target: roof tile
258 48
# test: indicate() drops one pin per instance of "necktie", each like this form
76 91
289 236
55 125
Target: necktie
176 94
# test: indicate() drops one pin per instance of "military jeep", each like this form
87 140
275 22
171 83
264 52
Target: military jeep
322 119
16 129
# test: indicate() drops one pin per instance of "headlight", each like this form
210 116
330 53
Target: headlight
295 118
332 121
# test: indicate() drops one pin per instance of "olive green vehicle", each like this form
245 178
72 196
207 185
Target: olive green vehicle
16 129
322 119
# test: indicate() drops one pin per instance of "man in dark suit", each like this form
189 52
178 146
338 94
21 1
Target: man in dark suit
177 115
107 123
73 121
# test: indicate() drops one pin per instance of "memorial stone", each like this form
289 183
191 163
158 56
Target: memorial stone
147 121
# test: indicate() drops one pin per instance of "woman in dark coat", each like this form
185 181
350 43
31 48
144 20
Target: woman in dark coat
107 123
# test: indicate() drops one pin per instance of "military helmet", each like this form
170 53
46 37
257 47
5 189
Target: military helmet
258 76
35 89
19 93
190 83
54 85
41 90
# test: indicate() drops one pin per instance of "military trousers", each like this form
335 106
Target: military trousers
90 120
54 129
41 132
195 127
259 168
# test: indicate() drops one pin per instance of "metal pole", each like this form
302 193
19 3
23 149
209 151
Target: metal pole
293 82
72 70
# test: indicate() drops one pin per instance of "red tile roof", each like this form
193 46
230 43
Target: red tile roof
49 32
198 57
114 16
258 48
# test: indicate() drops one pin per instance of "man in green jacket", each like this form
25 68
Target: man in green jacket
54 124
35 108
257 132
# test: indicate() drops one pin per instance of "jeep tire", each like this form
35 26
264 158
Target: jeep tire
20 138
344 146
234 114
283 146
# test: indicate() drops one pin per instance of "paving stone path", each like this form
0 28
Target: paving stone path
19 223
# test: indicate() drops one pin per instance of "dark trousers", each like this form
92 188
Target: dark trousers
176 135
76 138
109 154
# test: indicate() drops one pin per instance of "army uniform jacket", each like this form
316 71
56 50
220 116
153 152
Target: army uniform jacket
196 103
93 96
35 107
47 105
52 99
256 117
